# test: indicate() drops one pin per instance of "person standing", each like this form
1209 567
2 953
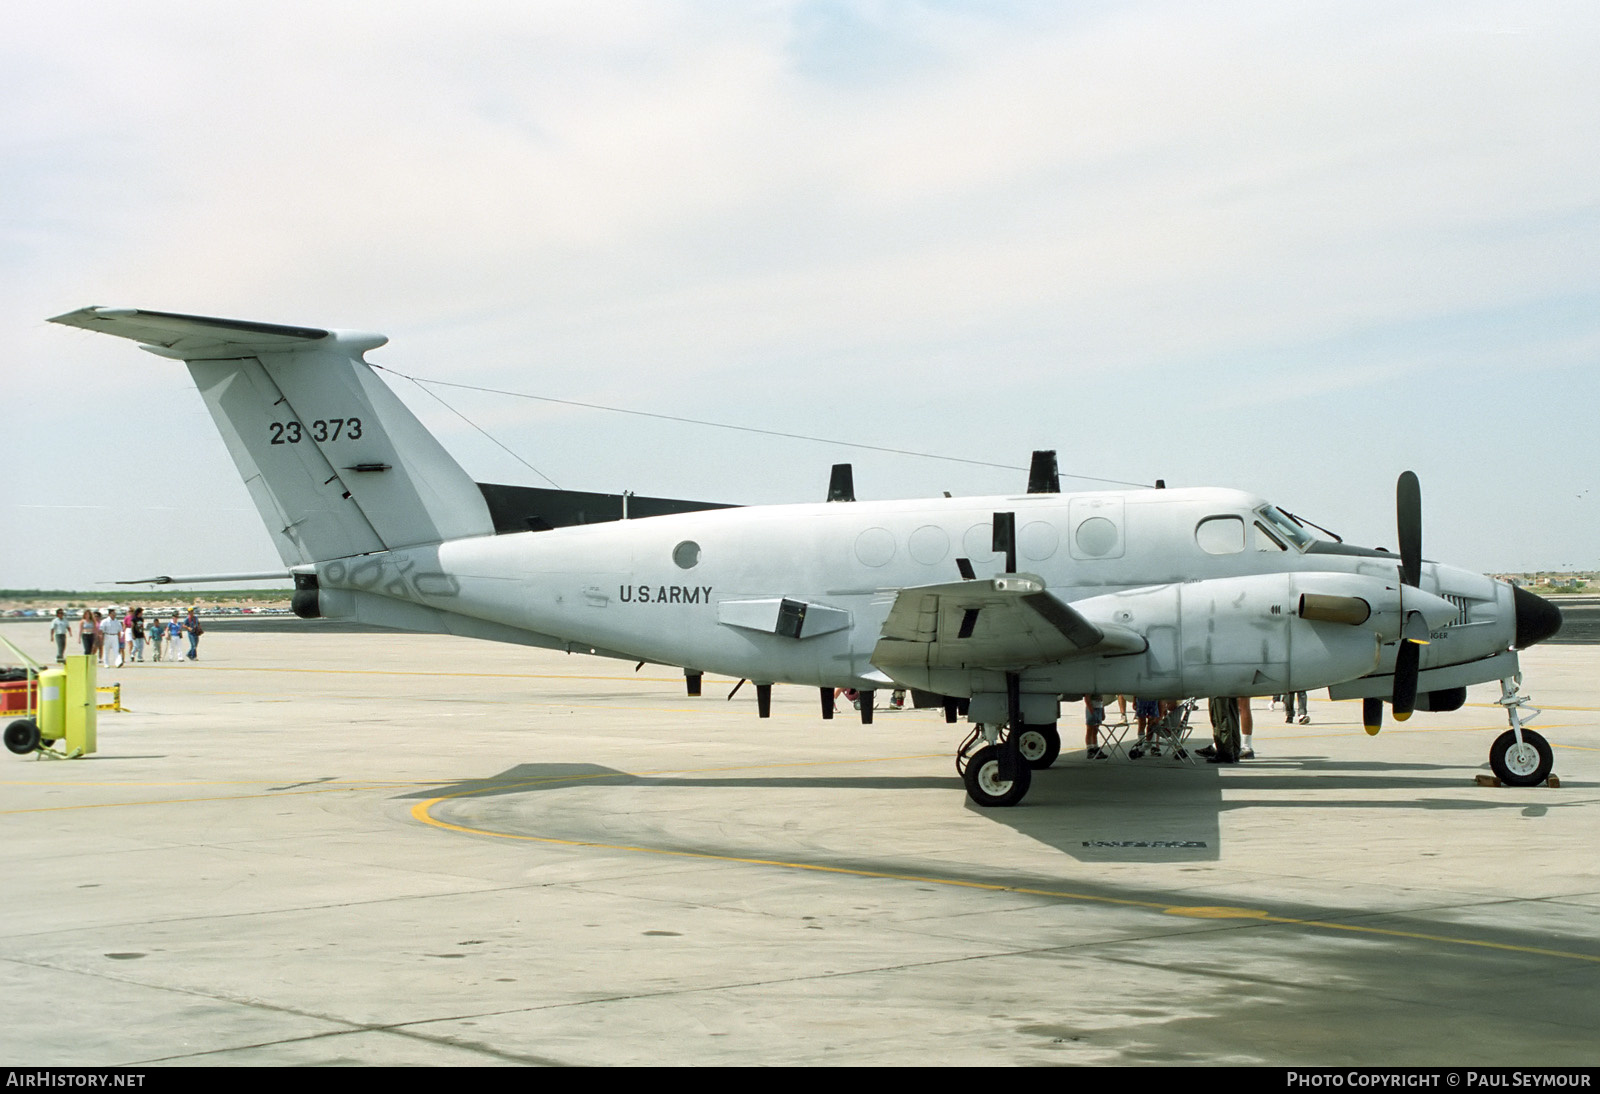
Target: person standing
193 628
88 632
60 629
1094 716
1288 708
1224 747
111 639
174 635
136 626
158 632
1146 713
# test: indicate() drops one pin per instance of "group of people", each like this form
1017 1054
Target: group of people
1232 725
115 638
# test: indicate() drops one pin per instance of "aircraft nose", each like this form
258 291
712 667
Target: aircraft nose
1537 618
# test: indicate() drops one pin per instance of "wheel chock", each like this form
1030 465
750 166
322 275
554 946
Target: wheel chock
1553 782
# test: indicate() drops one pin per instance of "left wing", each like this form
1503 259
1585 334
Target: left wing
1005 623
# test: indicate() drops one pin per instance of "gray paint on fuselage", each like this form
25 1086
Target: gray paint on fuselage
612 586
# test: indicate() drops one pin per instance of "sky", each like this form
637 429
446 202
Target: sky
1293 248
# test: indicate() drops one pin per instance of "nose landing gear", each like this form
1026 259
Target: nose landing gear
1519 756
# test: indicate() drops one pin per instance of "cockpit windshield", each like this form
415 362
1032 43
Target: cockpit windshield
1285 527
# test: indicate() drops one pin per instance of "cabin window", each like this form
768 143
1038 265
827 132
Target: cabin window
686 554
1220 535
1096 537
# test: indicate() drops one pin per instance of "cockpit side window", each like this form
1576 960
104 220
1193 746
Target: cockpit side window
1285 529
1266 541
1220 535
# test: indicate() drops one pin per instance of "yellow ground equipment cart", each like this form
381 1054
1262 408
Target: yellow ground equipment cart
58 704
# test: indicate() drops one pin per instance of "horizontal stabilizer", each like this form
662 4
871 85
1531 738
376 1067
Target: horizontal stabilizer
207 579
191 337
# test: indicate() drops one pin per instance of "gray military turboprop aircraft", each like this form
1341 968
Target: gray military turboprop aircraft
1158 593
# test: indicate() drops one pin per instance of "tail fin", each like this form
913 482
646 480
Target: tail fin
335 462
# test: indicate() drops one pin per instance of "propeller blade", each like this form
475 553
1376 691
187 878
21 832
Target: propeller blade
1408 519
1372 714
1404 700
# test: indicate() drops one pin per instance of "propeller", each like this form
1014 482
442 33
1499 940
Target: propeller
1414 630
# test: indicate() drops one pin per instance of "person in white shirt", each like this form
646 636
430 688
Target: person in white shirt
111 630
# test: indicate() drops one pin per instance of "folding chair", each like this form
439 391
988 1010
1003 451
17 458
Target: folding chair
1113 737
1173 729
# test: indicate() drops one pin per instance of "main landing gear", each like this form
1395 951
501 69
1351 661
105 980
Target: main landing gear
1519 756
989 779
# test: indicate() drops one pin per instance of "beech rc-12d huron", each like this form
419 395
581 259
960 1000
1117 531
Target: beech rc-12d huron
1000 605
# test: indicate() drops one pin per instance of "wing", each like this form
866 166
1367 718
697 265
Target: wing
1004 623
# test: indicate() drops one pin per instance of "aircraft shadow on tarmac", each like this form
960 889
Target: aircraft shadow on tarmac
528 778
1104 812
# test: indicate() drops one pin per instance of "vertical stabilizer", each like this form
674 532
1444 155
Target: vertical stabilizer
335 462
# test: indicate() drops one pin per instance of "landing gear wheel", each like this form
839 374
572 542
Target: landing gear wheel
1039 745
984 785
1527 764
22 737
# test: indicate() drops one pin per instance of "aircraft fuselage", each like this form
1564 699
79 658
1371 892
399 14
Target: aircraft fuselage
1206 576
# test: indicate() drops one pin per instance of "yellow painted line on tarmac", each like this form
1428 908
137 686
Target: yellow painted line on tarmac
422 812
436 672
1540 706
193 801
1543 728
401 784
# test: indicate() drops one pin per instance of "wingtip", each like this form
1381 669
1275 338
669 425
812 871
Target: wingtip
93 311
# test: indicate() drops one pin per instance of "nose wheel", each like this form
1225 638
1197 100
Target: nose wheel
1521 763
1519 756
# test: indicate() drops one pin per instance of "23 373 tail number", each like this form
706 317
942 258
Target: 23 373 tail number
323 429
